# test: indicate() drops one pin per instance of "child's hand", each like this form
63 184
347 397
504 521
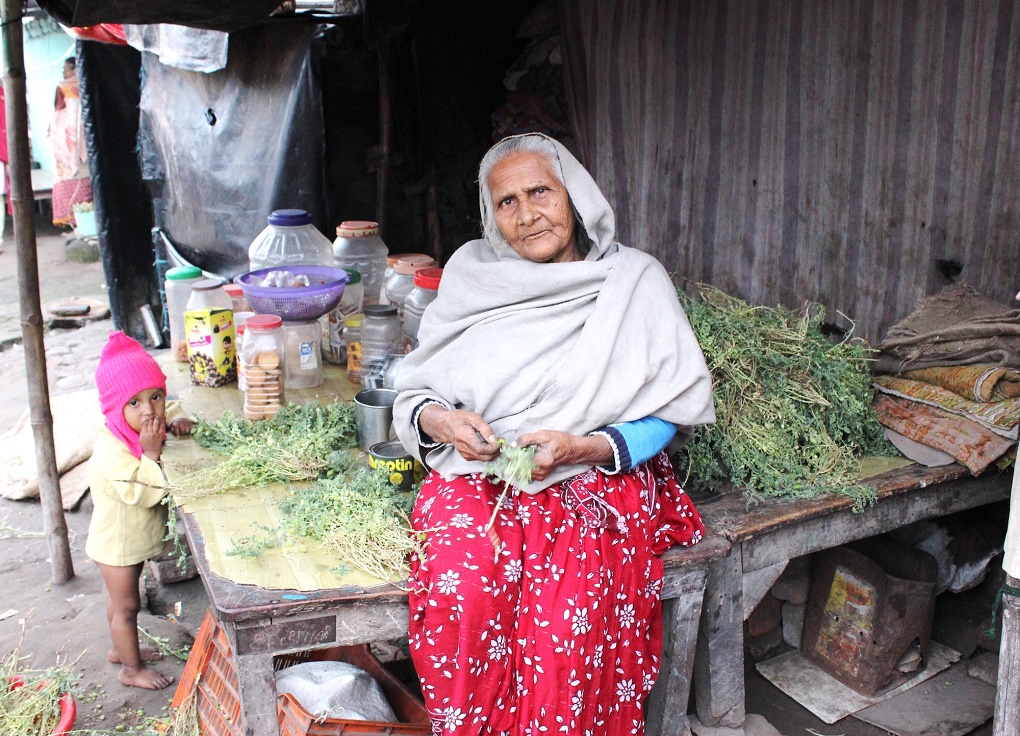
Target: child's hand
181 427
151 436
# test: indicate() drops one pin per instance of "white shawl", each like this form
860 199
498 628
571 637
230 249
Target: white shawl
563 346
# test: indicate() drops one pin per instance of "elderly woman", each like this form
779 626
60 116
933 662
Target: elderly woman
549 333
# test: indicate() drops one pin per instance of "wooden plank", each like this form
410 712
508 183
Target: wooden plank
1007 701
817 533
676 585
719 660
712 547
729 515
666 709
286 635
256 684
757 584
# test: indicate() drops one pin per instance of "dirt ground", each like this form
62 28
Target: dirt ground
46 623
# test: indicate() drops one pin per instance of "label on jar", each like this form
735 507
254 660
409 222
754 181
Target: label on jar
308 359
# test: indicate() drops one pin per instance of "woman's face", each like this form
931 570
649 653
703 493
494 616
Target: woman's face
532 209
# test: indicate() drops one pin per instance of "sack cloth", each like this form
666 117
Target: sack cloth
1002 417
981 382
956 326
971 444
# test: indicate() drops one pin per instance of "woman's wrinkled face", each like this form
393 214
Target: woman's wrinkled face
532 209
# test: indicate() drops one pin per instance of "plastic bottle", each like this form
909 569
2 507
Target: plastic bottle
351 302
178 289
381 337
302 354
359 247
262 349
208 293
290 239
425 291
352 344
402 280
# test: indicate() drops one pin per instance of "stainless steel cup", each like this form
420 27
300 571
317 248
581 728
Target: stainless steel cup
374 412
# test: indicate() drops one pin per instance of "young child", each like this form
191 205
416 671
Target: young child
127 484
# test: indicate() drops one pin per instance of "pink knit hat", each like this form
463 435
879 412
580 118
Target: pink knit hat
124 370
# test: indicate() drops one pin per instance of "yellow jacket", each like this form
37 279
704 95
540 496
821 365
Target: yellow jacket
128 520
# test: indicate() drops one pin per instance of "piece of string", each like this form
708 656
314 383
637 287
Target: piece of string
1006 589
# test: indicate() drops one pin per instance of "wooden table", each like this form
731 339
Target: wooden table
766 537
262 623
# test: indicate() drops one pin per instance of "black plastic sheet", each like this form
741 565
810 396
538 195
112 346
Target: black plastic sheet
110 91
218 15
221 151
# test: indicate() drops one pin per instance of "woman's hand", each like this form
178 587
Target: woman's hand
469 434
553 449
151 436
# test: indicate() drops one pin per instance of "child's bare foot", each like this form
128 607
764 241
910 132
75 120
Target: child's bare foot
144 678
149 654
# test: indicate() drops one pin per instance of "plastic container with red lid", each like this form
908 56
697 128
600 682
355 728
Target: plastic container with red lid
426 289
401 281
262 349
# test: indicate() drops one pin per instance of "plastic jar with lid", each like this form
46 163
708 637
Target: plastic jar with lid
239 302
391 261
359 247
207 293
240 322
302 358
290 239
178 290
402 280
425 291
351 302
352 344
262 349
381 337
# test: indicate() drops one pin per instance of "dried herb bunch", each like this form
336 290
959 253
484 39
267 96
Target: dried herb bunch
793 408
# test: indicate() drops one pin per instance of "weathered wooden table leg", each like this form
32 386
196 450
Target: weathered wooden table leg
681 613
719 660
257 685
1007 701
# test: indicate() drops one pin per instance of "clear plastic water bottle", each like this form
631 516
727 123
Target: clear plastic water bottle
290 239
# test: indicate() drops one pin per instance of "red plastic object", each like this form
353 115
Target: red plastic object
211 674
428 278
104 32
68 707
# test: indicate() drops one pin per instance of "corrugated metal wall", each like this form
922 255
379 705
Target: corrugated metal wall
830 150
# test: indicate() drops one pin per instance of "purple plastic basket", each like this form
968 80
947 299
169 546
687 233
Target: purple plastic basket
295 303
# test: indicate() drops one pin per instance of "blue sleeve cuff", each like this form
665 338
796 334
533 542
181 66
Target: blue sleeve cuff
636 442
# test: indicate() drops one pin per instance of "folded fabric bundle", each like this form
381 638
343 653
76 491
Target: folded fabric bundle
980 382
956 326
1001 417
973 445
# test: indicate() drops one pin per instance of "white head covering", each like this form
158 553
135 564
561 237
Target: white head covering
564 346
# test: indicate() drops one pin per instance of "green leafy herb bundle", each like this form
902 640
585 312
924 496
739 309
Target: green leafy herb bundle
793 408
356 513
294 445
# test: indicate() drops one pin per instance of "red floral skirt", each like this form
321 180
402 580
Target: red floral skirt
561 630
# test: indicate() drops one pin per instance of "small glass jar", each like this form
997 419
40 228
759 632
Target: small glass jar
402 280
239 303
262 349
381 337
351 302
178 290
425 291
207 293
352 345
302 354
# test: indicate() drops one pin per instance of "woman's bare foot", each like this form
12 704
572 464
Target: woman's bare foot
149 654
144 678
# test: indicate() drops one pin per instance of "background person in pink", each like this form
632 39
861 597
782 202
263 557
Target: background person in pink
71 182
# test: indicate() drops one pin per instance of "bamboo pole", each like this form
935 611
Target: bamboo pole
1007 701
23 206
